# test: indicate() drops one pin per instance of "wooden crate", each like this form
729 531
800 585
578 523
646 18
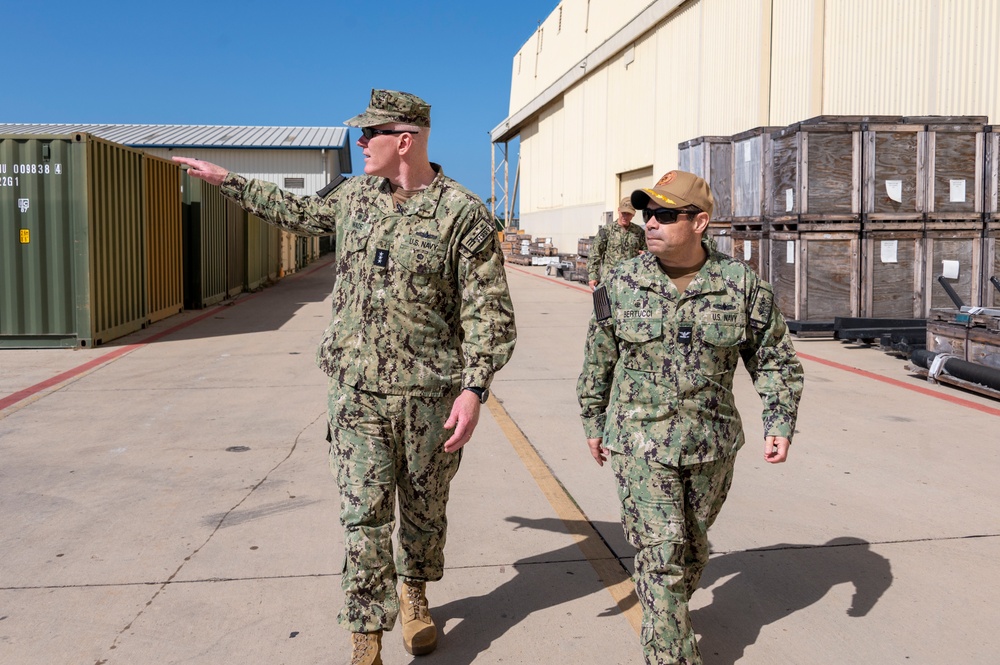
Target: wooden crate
751 245
895 179
955 159
711 157
892 270
720 233
991 193
945 335
991 264
816 274
751 152
983 346
953 240
815 171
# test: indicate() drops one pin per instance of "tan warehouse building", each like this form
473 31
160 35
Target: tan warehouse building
605 90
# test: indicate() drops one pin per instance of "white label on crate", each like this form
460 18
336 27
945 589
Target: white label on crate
790 251
23 204
949 269
747 250
746 152
957 194
789 199
894 190
890 250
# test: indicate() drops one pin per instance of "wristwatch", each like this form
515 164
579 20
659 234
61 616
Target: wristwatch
482 393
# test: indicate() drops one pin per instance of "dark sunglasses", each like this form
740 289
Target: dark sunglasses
370 132
666 215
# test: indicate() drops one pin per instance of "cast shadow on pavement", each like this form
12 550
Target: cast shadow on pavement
541 581
750 589
762 586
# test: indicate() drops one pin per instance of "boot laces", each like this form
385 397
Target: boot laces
416 603
363 645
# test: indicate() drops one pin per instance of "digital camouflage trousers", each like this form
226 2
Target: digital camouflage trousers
383 446
666 514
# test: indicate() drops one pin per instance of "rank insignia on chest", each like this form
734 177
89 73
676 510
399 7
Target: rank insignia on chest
684 334
381 258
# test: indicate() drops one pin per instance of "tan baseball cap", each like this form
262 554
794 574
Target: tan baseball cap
625 205
677 189
393 106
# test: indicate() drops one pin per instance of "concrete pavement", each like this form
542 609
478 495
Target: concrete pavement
168 500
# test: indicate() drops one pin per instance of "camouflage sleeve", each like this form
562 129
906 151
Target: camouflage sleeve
593 388
487 314
305 215
772 364
596 256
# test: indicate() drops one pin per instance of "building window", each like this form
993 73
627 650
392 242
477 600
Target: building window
295 183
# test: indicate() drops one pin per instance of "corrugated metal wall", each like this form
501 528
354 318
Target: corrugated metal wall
164 242
796 52
927 57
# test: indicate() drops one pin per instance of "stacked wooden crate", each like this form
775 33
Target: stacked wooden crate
923 214
813 209
991 218
750 233
711 158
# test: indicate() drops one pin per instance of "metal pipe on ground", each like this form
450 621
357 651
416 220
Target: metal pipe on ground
960 369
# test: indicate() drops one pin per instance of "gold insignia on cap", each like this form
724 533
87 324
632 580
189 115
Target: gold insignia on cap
661 197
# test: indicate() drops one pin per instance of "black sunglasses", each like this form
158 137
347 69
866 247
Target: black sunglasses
666 215
370 132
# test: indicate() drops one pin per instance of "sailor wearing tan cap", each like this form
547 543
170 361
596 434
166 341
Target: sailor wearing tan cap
615 242
656 393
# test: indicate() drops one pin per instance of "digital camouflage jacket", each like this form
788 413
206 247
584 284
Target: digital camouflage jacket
420 301
613 245
657 376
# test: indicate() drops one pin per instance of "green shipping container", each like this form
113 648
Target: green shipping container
73 259
205 245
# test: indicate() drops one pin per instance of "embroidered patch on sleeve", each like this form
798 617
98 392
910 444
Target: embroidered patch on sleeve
477 238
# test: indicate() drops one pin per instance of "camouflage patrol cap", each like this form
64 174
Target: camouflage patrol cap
677 189
393 106
625 205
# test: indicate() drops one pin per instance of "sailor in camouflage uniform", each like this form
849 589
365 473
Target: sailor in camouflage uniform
422 319
656 397
615 242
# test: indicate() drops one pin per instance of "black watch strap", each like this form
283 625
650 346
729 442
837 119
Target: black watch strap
482 393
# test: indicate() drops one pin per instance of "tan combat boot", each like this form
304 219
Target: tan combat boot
419 633
366 648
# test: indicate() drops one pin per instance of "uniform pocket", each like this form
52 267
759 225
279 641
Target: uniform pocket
421 262
724 334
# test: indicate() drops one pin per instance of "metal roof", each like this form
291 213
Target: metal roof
198 136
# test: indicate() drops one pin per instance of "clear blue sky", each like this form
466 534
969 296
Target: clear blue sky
310 63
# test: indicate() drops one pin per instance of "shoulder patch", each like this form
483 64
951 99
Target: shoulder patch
760 307
602 304
477 238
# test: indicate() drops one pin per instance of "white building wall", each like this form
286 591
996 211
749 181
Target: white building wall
315 167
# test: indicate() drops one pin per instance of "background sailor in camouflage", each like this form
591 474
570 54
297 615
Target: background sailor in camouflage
616 241
656 397
422 319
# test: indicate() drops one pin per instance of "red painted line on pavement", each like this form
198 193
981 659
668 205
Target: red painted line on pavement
560 282
902 384
22 395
